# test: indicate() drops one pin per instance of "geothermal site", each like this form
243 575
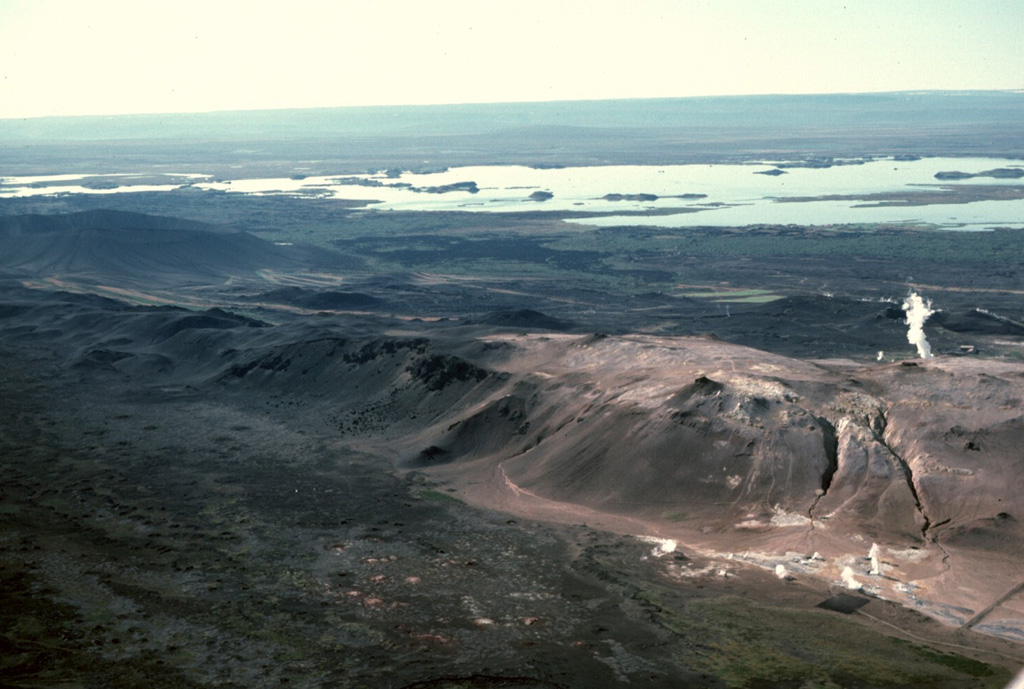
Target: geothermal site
732 401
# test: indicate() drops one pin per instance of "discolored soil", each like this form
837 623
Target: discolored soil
186 525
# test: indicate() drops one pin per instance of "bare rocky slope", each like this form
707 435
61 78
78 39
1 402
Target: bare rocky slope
728 451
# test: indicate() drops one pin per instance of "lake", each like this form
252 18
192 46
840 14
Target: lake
667 196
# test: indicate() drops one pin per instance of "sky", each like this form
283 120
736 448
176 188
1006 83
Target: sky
101 57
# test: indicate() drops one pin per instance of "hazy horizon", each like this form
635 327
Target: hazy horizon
111 57
552 101
924 117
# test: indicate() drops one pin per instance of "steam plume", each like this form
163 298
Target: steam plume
849 580
876 566
918 311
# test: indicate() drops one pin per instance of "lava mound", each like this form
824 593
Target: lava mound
319 301
977 322
527 318
122 247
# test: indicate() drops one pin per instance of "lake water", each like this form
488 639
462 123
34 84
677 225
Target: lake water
51 185
732 195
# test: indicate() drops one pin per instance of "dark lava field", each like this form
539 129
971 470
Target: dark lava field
277 440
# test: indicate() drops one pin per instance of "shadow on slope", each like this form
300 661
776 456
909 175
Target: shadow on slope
328 300
528 319
131 248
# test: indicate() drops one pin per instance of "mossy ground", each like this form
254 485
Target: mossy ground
747 643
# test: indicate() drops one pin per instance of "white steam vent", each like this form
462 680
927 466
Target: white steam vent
850 580
918 310
663 546
876 565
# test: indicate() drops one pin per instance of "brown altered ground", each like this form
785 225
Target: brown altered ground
727 450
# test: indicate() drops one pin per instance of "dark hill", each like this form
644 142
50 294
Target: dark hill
527 318
977 322
214 319
100 220
121 247
324 301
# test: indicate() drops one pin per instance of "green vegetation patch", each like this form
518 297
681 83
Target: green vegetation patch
967 666
760 299
674 516
738 296
747 644
725 294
